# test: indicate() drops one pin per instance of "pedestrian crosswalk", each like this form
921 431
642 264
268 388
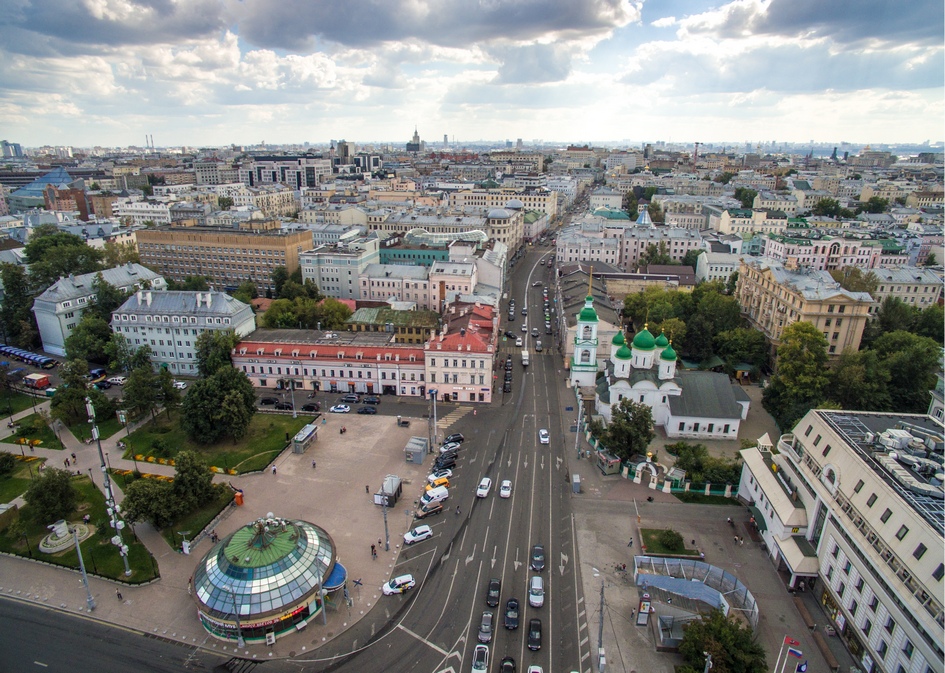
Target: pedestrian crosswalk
445 422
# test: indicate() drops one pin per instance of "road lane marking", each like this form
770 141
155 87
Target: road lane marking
39 663
423 640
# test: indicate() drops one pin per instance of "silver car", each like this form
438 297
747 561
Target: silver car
485 627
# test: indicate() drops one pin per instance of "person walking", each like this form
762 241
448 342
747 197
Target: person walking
367 489
313 464
118 593
630 544
273 469
373 552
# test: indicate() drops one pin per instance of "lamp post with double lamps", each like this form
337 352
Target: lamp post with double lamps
114 511
239 630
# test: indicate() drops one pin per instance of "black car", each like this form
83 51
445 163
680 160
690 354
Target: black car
283 406
492 594
456 437
511 614
534 634
312 406
507 665
103 385
268 400
538 558
508 376
448 455
510 334
507 388
444 464
367 410
372 399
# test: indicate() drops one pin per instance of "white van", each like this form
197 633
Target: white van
536 592
437 494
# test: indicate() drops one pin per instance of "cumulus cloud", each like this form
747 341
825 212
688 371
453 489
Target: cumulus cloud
533 64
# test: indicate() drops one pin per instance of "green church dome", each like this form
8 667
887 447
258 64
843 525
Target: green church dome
588 314
644 341
623 353
662 341
669 354
618 339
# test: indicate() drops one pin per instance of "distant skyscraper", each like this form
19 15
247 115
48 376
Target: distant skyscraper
446 140
414 144
518 144
11 150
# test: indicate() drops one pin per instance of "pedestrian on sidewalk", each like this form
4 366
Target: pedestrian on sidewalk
630 544
367 489
66 461
373 552
118 593
313 464
73 457
273 469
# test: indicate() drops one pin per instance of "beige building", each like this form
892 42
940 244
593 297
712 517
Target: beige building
773 297
917 287
228 256
742 221
272 200
543 200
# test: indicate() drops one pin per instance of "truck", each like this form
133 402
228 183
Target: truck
524 358
36 381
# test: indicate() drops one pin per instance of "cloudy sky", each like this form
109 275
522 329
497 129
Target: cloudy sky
214 72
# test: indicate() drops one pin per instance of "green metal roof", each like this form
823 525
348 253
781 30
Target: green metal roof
246 549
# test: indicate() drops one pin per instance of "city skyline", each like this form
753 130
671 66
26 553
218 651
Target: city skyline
209 73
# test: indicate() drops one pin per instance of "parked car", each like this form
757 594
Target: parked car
507 665
283 406
455 437
117 380
511 614
431 509
485 627
103 385
311 407
340 409
505 490
544 437
509 333
518 341
484 485
268 400
480 662
538 558
418 534
507 387
398 585
367 410
446 464
180 385
492 593
439 474
351 398
450 446
534 634
372 399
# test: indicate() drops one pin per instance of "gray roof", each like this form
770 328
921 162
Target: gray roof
907 274
396 271
811 284
705 395
73 287
180 302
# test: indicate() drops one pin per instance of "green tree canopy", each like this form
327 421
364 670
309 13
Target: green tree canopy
893 315
193 481
107 298
16 310
654 254
853 279
53 254
703 468
912 362
931 323
190 284
860 381
729 640
152 501
225 203
630 430
279 277
801 379
140 392
219 405
51 496
119 254
746 195
876 204
214 351
691 258
826 207
89 339
741 344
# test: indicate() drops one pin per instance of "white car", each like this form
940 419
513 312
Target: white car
118 380
398 585
439 474
525 327
544 437
483 490
180 385
340 409
534 669
518 341
417 534
450 446
480 662
505 489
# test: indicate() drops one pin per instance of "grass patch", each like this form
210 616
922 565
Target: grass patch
34 427
101 557
14 403
266 437
106 429
197 520
651 540
702 499
14 485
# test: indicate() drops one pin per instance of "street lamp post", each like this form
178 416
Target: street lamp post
28 548
85 578
433 394
114 511
239 630
295 414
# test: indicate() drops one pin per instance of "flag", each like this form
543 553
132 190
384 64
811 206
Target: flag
788 640
794 652
801 668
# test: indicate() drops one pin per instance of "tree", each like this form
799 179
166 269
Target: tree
746 195
732 283
119 254
119 352
860 381
654 254
225 202
931 260
912 362
16 310
219 405
826 207
674 329
167 392
50 496
214 351
876 204
235 415
656 213
152 501
53 254
629 204
140 392
741 345
630 430
801 379
246 292
193 481
190 284
107 298
729 641
724 178
931 323
853 279
7 464
892 315
89 338
691 258
279 277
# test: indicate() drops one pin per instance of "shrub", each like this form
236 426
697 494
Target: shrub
672 541
7 464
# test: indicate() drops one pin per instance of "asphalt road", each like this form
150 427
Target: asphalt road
40 639
434 627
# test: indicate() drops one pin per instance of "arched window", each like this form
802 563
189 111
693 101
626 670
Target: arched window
585 357
587 331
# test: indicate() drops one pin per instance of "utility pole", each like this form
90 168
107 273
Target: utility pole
386 531
114 512
601 658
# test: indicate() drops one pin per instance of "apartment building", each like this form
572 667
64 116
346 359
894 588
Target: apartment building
170 322
605 197
60 307
848 507
917 287
142 212
773 297
369 363
397 283
711 265
451 280
459 361
746 221
336 269
824 254
587 244
213 172
296 171
543 200
272 200
786 203
228 256
407 327
675 240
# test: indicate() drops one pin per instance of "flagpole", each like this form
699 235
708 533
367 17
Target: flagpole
780 652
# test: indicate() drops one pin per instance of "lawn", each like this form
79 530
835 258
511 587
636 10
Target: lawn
33 427
106 429
164 438
703 499
14 485
101 557
14 403
651 540
197 520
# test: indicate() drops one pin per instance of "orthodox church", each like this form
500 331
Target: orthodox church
685 404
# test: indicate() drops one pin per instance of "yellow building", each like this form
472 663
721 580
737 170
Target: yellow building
773 297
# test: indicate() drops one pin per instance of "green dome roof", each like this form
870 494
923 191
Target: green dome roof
588 314
623 353
644 341
662 341
618 339
668 354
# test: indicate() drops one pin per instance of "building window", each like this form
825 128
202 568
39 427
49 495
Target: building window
826 451
902 532
874 603
859 485
890 625
908 649
859 584
867 627
885 517
919 551
883 648
871 501
939 572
